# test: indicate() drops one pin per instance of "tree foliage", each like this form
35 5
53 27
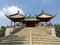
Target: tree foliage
3 27
2 31
57 29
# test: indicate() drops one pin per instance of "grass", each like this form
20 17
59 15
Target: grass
57 29
2 33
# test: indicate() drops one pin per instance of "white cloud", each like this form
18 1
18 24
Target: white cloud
8 10
1 14
47 1
11 10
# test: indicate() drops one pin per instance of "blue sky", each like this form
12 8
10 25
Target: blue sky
29 7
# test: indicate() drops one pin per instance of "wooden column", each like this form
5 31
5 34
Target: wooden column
25 24
11 24
35 24
49 23
46 23
14 23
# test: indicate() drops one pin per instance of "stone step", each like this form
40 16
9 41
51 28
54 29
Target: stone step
46 40
46 43
16 42
39 37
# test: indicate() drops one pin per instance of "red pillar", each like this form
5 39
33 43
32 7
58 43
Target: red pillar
14 23
35 24
49 23
46 23
11 24
25 24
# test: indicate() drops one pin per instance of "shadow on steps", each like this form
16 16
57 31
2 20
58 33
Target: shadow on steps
17 30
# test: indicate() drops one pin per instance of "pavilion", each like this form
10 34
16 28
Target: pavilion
44 17
30 21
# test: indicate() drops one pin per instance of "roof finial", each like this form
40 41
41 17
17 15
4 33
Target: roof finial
18 11
35 15
42 11
25 15
55 14
30 14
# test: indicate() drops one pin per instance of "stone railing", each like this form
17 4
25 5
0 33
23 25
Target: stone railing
8 31
51 30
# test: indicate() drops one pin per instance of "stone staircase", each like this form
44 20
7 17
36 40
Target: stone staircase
41 37
38 35
17 38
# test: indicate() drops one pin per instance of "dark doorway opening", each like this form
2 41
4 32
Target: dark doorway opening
30 24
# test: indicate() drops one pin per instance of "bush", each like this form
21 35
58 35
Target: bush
3 27
2 33
57 29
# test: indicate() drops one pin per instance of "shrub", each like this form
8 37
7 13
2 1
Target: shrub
57 29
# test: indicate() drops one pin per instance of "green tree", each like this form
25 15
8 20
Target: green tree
57 29
3 27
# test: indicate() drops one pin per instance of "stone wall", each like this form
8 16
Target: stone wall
52 31
8 31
